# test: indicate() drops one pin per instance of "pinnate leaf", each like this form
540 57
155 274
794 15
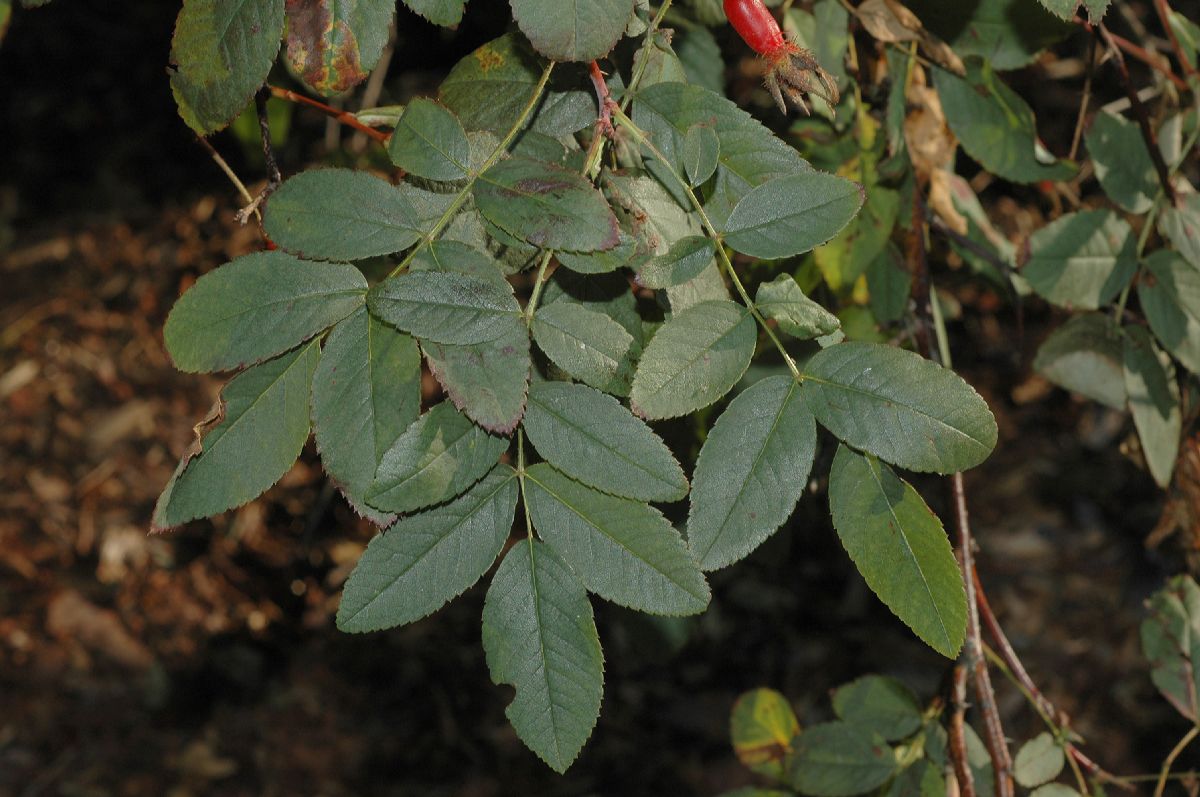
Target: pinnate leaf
793 214
539 636
487 381
445 307
256 307
900 407
573 30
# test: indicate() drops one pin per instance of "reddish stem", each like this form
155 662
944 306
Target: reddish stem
957 741
344 117
1164 16
604 120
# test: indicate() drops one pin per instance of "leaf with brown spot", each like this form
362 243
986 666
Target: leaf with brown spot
333 44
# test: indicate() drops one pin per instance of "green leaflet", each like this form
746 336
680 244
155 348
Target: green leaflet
900 407
1122 163
797 315
340 214
1171 643
487 381
1039 761
591 437
441 454
751 471
623 550
899 547
426 559
248 443
792 214
222 51
1086 355
882 704
685 260
332 45
446 307
839 759
701 149
430 142
1081 260
1154 402
1181 224
763 729
539 636
446 13
258 306
693 360
588 345
1009 33
366 392
573 30
1170 298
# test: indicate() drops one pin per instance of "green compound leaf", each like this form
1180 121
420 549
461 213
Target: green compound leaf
340 214
900 407
430 142
1008 33
995 126
441 454
547 205
592 438
487 381
425 560
882 704
685 260
839 759
1122 161
446 307
256 307
624 551
899 546
693 360
222 51
799 316
1038 761
332 45
1081 260
366 392
1181 224
539 636
1086 355
446 13
701 149
587 344
751 471
1171 643
573 30
1170 298
763 729
792 214
249 441
1154 402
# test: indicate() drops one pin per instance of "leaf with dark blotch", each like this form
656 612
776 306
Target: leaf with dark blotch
435 459
332 45
247 444
445 307
624 551
539 635
487 381
424 560
256 307
763 729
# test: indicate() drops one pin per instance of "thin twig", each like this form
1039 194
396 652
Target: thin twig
1083 103
225 167
1152 60
1170 759
344 117
274 178
1164 16
374 86
957 741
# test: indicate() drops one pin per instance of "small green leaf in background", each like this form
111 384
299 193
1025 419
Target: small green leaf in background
783 301
430 142
487 381
573 30
882 704
686 259
900 407
1188 34
1181 224
751 471
792 214
624 551
1086 355
763 729
693 360
1008 33
701 148
592 438
586 344
1170 297
899 546
248 444
446 13
995 126
1038 761
839 759
424 560
440 455
547 205
340 214
256 307
539 636
890 285
1081 260
332 45
1122 162
446 307
1154 402
222 51
366 392
848 256
1171 643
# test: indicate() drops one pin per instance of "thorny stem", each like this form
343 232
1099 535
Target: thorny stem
344 117
640 136
957 741
1170 759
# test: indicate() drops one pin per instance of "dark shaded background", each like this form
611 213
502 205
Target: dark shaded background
206 663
